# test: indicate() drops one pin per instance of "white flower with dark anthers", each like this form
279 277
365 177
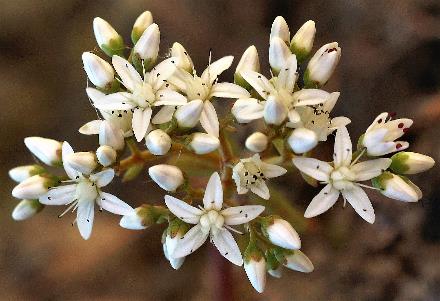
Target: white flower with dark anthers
206 87
211 220
252 173
342 177
82 192
380 135
143 94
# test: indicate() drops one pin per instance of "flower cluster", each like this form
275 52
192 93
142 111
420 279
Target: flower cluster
162 109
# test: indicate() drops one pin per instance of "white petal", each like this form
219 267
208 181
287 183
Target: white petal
128 74
84 218
103 178
141 121
322 202
169 98
338 122
229 90
113 204
247 109
370 169
191 241
343 148
66 151
114 101
162 72
213 198
216 68
298 261
256 272
288 74
260 188
164 115
272 170
90 128
182 210
359 200
94 94
111 135
226 245
259 82
314 168
279 54
61 195
241 214
209 119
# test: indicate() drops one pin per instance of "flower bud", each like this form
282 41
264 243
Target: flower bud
99 72
32 188
106 155
255 267
395 187
275 112
279 53
302 41
111 135
26 209
322 65
256 142
143 217
168 248
84 162
249 62
168 177
277 273
46 150
202 143
147 48
280 233
408 163
140 25
298 261
280 29
21 173
302 140
107 38
188 115
183 59
158 142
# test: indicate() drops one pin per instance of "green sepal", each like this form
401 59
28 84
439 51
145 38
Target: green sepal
252 252
379 182
177 226
308 83
114 47
239 80
132 172
137 63
301 53
398 163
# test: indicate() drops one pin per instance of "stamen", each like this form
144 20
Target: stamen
74 203
366 186
232 229
358 157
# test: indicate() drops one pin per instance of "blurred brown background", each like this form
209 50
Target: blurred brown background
390 62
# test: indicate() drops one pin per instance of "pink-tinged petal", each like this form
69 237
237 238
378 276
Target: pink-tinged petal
322 202
226 245
241 214
182 210
359 200
213 198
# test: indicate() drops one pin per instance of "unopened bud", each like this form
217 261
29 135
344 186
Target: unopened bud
46 150
302 140
32 188
99 72
111 135
107 38
255 267
84 162
298 261
106 155
168 177
183 59
143 217
147 48
21 173
322 65
158 142
140 25
249 62
280 233
188 115
26 209
256 142
280 29
279 53
275 111
395 187
302 41
202 143
408 163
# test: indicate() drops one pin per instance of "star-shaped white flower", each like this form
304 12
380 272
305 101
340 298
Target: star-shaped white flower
212 221
143 94
252 173
380 135
204 88
82 194
342 177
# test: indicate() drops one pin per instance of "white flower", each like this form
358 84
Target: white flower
107 37
82 194
106 155
408 163
33 187
281 234
256 272
143 93
298 261
252 173
99 72
168 177
158 142
147 47
322 65
257 142
302 42
21 173
211 220
142 22
202 143
26 209
342 177
380 135
206 87
46 150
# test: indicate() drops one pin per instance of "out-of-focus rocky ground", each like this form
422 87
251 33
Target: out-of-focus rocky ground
390 62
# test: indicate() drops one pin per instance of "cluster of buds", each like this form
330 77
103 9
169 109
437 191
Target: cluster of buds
161 110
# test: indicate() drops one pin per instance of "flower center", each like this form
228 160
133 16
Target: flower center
212 221
252 174
342 178
144 96
197 89
86 190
